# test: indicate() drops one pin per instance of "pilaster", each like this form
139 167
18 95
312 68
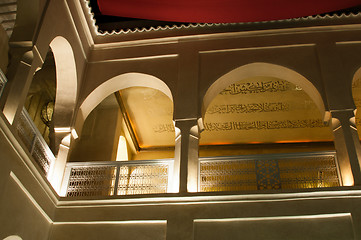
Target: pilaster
20 84
347 146
186 154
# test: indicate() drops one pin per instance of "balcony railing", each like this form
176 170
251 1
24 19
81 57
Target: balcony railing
232 173
3 81
34 142
117 178
269 171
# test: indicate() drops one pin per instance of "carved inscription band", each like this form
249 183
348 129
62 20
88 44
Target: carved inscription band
262 125
252 125
256 87
248 108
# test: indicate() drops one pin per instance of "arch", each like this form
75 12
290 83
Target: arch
263 69
114 84
356 83
13 237
356 76
66 82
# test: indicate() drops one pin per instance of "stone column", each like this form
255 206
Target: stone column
57 170
186 155
186 112
347 146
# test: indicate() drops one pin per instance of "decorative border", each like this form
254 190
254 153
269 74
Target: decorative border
325 18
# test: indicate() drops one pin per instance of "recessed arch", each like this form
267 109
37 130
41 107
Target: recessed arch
66 82
114 84
263 69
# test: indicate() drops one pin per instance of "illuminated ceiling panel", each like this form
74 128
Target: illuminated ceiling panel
255 110
263 110
150 113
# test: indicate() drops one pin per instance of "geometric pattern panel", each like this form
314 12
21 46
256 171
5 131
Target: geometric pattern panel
261 172
3 81
25 131
34 142
144 179
91 181
118 178
312 172
227 175
268 174
41 156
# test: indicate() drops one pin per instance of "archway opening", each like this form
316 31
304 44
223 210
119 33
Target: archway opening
260 115
127 128
265 131
40 99
140 115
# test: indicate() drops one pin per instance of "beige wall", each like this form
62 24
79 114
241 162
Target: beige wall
99 138
20 213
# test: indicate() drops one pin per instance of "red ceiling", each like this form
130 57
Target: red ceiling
217 11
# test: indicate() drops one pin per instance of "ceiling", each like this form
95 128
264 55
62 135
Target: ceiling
219 11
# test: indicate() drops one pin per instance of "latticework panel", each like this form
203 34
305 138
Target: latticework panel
40 155
268 175
143 179
227 176
33 141
91 181
25 132
2 85
3 81
311 172
282 172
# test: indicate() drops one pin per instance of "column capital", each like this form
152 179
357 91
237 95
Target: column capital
342 114
192 126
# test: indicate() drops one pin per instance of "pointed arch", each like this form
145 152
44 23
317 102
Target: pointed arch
114 84
263 69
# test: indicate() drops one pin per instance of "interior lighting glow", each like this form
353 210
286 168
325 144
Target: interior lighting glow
74 133
122 151
62 130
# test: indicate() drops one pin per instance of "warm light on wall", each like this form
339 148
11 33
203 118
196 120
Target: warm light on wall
348 180
122 152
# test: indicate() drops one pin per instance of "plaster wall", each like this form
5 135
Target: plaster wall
99 139
21 213
337 226
147 230
189 67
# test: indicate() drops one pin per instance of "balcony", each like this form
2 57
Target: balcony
215 174
239 173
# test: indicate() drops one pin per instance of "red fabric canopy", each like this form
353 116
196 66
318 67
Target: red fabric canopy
220 11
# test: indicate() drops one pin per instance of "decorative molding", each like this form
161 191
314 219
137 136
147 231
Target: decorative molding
326 18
